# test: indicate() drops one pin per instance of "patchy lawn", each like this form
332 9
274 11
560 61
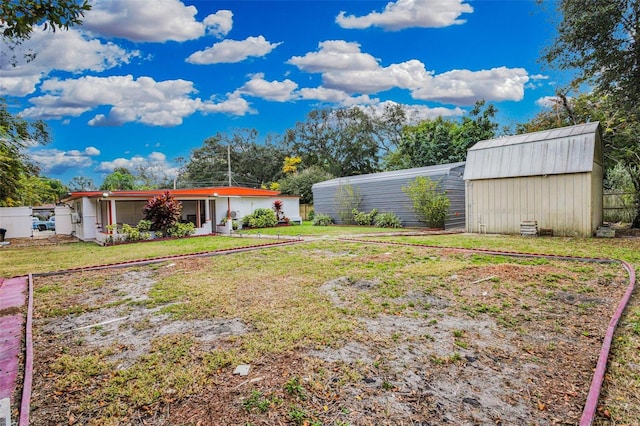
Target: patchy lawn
336 333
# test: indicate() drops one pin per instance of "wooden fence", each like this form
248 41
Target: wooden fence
305 209
618 207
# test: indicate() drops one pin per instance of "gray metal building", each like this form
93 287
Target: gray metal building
383 191
552 177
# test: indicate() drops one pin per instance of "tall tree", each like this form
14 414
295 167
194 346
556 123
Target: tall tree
342 141
601 42
300 183
81 183
16 134
253 163
118 180
441 140
35 190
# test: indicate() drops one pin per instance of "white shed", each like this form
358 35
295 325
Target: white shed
552 178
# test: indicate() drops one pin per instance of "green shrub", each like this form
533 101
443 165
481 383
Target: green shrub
131 233
311 215
365 219
260 218
388 220
181 230
430 205
321 220
144 225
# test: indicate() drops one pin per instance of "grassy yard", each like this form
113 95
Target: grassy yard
15 261
332 330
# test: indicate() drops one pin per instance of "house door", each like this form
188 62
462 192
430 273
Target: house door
212 211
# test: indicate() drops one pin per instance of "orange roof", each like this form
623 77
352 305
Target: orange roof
221 191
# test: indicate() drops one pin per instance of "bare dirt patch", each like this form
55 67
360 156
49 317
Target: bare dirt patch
464 340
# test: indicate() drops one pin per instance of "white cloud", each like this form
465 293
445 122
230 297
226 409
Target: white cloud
549 101
144 100
55 161
463 87
234 104
155 163
417 113
335 55
334 96
92 151
406 75
280 91
231 51
536 81
345 68
219 24
410 13
159 21
69 51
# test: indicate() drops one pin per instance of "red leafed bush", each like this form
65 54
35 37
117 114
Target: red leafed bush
163 211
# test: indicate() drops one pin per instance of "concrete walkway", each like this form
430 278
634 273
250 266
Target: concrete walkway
12 300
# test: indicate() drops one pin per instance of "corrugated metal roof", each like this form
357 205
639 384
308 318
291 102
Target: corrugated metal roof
558 151
404 174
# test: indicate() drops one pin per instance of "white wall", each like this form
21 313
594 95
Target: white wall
17 221
63 220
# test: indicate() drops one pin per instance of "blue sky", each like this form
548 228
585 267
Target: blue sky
143 82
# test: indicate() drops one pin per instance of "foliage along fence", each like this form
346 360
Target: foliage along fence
618 207
305 209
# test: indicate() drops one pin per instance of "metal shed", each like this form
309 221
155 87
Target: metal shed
383 191
552 178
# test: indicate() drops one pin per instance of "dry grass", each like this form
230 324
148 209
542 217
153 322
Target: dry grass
300 303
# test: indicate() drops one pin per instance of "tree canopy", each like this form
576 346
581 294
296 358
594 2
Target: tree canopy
253 163
601 43
16 134
118 180
19 17
441 140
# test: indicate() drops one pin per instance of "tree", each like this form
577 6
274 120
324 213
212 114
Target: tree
427 144
619 132
163 211
19 17
252 163
291 165
118 180
35 190
442 141
300 183
430 205
602 44
81 183
339 141
15 136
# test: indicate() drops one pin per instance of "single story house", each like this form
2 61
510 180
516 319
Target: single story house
93 211
550 179
383 191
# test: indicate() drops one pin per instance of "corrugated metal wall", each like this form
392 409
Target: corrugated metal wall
383 191
564 203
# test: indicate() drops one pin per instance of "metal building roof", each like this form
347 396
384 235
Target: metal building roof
571 149
439 170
